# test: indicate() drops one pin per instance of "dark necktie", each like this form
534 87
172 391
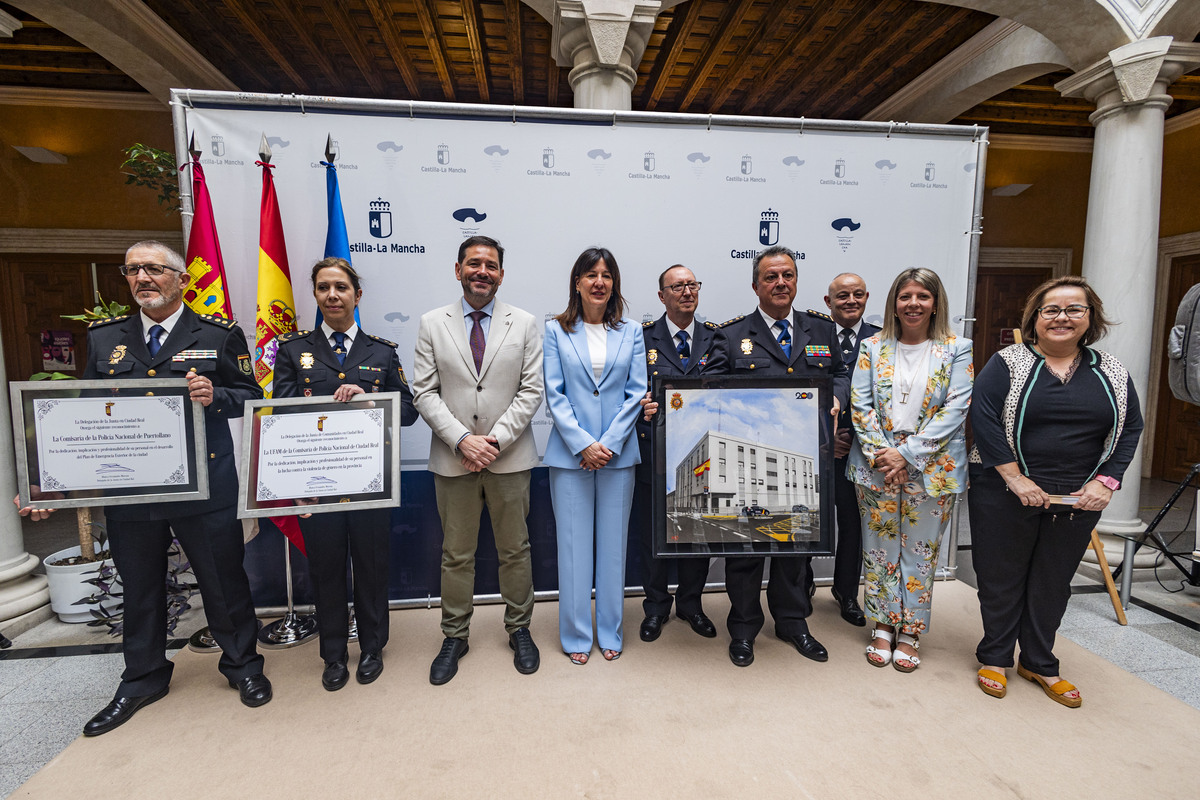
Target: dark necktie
154 344
684 350
477 343
785 341
339 350
847 345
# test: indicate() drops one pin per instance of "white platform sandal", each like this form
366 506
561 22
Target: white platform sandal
913 660
884 656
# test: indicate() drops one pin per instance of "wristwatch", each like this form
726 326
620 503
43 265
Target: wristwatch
1111 483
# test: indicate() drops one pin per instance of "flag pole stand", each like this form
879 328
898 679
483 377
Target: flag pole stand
294 628
353 626
202 641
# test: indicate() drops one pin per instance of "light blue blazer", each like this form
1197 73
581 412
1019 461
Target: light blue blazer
587 410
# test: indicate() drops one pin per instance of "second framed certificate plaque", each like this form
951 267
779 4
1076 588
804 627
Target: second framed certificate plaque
742 467
313 455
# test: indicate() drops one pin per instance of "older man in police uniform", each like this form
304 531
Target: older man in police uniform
676 345
773 340
169 340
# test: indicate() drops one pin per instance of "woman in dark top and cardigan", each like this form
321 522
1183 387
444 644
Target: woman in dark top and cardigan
1052 418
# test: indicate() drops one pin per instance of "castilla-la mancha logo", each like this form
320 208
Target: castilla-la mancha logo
768 228
381 218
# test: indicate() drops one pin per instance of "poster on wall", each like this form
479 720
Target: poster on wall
58 351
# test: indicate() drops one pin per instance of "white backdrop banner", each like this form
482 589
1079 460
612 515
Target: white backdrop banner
656 190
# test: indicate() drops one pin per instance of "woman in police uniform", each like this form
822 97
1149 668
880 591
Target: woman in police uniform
338 359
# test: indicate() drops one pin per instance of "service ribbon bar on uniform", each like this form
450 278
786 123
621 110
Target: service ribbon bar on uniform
816 350
192 355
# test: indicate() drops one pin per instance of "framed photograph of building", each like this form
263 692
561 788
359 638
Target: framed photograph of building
743 466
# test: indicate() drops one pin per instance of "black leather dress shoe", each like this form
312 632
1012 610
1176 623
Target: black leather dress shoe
255 690
652 627
370 667
808 646
526 657
741 652
700 624
850 610
119 711
335 675
445 666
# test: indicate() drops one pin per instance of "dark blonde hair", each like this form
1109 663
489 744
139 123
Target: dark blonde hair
1097 322
337 263
616 303
939 323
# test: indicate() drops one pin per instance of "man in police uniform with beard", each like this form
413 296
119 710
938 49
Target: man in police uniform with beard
169 340
773 340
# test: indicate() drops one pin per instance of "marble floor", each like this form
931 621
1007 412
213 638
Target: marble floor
56 676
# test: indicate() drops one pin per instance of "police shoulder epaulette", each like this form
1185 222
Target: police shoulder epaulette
96 323
221 321
818 314
729 322
290 335
649 323
382 340
712 326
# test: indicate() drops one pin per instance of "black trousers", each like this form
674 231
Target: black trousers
787 595
212 542
366 537
1024 559
847 560
692 572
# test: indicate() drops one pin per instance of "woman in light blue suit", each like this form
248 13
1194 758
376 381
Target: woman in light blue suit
595 367
912 386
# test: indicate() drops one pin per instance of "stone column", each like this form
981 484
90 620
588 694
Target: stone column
1121 241
603 42
21 593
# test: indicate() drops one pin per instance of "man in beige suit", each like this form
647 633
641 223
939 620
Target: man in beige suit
477 382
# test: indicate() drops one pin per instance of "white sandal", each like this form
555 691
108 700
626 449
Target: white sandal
912 642
885 656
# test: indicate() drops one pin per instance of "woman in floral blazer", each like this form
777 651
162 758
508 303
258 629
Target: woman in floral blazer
909 400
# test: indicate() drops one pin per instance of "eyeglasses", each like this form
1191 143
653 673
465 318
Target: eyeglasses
1072 312
153 270
679 288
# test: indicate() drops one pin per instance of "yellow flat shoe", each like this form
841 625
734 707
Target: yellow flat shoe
1055 692
997 677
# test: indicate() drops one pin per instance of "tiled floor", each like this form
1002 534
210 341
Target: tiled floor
57 676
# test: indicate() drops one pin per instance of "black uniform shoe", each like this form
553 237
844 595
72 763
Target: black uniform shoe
526 657
255 690
370 667
119 711
808 646
335 676
850 610
741 652
700 624
652 627
445 666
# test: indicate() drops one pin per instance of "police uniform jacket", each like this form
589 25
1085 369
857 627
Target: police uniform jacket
306 366
662 358
211 347
746 346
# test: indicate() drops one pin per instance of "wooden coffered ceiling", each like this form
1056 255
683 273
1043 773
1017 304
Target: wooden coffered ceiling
835 59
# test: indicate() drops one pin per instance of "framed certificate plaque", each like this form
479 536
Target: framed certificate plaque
310 455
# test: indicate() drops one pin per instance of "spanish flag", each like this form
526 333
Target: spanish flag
703 468
276 306
205 292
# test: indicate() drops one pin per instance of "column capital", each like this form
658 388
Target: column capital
1135 74
602 41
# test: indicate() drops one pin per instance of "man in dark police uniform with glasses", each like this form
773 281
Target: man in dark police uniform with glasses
169 340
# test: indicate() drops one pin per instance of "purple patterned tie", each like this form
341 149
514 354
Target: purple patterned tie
477 342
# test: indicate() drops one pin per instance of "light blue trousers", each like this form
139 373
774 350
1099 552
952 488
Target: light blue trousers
591 512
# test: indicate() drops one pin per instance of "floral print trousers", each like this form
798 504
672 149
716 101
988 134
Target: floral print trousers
901 532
